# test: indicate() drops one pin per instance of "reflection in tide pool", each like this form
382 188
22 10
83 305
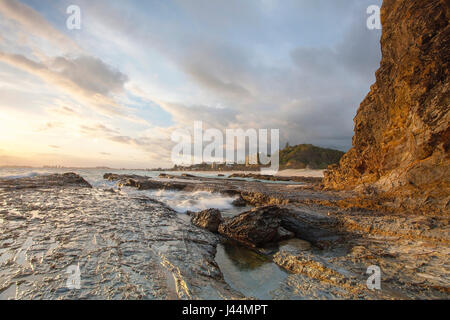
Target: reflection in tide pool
248 272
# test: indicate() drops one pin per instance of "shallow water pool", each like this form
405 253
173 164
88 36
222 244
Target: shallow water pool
249 272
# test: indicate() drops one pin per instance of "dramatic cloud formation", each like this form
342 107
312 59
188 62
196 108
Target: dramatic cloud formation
116 89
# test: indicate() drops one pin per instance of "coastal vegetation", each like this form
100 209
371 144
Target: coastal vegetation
308 156
302 156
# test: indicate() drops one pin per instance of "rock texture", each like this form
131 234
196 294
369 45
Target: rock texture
126 247
129 246
411 249
207 219
239 202
69 179
402 136
257 227
258 176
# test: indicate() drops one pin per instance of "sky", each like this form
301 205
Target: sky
112 92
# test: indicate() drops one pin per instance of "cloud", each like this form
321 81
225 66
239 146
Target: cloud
98 129
223 87
213 117
63 110
311 100
298 65
217 67
156 146
355 57
49 125
90 74
301 66
67 110
33 23
77 81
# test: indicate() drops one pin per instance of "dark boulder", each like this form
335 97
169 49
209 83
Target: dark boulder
310 226
209 219
257 227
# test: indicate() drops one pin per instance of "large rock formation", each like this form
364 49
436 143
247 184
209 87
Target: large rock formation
402 136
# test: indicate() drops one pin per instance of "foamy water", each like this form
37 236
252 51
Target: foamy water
182 201
25 175
178 200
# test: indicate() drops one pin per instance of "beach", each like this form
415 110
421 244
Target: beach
280 173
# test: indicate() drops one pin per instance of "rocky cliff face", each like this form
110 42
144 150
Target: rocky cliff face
402 136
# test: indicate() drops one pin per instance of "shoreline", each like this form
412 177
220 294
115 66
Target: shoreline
316 173
324 247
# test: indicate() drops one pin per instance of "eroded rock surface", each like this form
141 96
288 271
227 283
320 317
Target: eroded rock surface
257 227
409 269
69 179
401 144
126 248
131 246
207 219
276 178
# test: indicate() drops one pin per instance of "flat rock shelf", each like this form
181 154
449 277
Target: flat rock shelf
131 246
126 248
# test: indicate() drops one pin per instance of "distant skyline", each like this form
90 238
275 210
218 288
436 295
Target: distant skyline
111 93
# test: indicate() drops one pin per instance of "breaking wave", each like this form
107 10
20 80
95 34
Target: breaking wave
192 201
25 175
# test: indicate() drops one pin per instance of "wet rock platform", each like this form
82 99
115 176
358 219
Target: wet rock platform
125 248
134 247
411 250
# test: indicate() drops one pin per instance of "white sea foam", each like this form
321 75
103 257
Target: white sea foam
192 201
25 175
